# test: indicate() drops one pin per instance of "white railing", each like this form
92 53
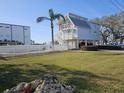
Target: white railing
69 37
29 49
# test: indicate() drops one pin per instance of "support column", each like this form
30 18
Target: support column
23 35
85 42
94 43
77 44
68 44
11 34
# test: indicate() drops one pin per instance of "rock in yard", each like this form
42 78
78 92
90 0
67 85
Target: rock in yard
47 84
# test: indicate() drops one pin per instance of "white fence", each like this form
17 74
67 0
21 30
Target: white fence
29 49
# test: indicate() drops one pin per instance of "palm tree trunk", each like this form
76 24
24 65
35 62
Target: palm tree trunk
11 34
52 32
121 40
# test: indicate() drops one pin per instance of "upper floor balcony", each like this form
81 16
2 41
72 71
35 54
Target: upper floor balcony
70 34
70 37
66 25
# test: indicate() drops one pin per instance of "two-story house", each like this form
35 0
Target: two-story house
77 31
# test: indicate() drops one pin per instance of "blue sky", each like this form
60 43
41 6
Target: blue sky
25 12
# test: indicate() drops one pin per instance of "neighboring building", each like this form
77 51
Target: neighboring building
77 31
15 33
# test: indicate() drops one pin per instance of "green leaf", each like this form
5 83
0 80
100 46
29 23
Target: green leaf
40 19
51 14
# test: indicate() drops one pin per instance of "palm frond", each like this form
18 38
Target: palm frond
51 13
59 16
40 19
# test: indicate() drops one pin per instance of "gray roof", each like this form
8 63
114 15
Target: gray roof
79 22
13 24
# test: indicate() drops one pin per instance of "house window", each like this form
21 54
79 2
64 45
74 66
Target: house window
25 29
74 31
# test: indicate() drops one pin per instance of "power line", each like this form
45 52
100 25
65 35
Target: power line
114 4
119 3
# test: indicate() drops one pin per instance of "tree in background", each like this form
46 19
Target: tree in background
52 17
113 25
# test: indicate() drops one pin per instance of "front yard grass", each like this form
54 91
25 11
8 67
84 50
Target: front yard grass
90 72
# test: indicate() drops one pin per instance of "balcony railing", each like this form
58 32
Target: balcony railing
70 36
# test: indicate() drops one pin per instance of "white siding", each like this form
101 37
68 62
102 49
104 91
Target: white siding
27 35
19 33
96 30
5 32
69 34
87 34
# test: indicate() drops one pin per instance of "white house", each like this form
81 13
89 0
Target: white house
77 31
15 32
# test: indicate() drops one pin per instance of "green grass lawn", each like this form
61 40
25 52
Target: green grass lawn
90 72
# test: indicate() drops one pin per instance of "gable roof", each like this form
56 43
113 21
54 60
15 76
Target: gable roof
79 21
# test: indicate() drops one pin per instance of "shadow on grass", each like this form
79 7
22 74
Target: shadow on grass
111 54
11 75
3 58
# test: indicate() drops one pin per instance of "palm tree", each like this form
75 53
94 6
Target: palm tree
52 17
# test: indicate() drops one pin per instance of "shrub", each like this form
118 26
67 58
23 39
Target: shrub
89 48
109 47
